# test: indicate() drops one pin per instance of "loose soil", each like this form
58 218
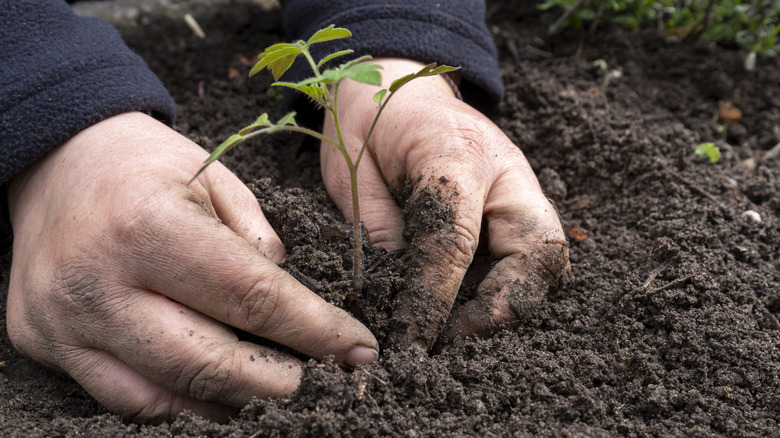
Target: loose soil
669 325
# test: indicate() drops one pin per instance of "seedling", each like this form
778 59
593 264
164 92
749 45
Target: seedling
708 151
322 88
751 25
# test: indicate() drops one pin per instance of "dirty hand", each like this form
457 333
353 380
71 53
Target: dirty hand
432 151
128 280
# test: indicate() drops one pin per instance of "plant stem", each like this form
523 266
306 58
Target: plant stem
357 230
371 129
357 239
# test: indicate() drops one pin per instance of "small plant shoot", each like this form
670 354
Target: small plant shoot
322 88
708 151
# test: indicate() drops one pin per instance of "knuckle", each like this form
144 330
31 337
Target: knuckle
542 269
553 262
75 289
457 244
258 305
139 222
135 228
211 379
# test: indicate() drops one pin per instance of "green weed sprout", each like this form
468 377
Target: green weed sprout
322 88
708 151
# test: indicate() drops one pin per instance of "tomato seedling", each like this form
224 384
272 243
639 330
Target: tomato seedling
322 88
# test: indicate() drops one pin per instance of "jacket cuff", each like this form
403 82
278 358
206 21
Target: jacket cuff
425 31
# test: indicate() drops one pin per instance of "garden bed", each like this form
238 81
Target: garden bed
669 324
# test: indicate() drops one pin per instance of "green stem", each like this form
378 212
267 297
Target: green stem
301 129
357 240
371 129
357 230
311 62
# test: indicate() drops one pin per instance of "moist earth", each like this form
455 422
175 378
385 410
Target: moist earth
669 324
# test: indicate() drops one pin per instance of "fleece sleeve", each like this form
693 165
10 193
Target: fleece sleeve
61 73
451 32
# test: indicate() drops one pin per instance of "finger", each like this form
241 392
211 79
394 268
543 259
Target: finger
238 209
378 209
200 263
179 350
524 231
443 219
125 392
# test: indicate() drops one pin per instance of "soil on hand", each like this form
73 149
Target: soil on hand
669 325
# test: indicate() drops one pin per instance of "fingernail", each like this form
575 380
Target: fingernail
361 354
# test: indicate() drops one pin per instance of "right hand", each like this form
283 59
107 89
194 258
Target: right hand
128 279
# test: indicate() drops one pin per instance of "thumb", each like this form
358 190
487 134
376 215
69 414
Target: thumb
378 209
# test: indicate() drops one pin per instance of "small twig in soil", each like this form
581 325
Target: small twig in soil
775 151
672 284
194 26
695 188
654 274
375 378
538 52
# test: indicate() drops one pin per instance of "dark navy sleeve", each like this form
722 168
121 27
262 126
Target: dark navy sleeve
61 73
451 32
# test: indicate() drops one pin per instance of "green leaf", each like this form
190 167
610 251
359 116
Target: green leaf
428 70
356 69
333 56
287 120
329 33
379 96
365 73
315 92
352 62
709 151
218 152
261 121
277 58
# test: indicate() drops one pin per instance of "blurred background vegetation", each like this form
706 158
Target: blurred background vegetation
751 25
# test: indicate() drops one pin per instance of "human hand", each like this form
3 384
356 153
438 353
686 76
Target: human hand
460 163
128 279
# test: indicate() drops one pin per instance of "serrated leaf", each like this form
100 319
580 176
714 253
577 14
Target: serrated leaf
261 121
365 73
277 58
709 151
379 96
334 56
273 53
287 120
358 60
313 91
429 70
329 33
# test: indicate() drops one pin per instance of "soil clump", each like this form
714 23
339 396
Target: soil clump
668 326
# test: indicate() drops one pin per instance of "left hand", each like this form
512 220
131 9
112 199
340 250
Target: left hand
435 144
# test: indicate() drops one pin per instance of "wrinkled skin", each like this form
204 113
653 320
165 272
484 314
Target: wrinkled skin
127 279
441 145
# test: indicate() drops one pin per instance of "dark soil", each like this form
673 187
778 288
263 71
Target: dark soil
669 325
